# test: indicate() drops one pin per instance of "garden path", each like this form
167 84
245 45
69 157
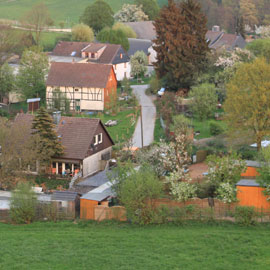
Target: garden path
148 116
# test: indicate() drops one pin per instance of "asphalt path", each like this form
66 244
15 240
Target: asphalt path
148 117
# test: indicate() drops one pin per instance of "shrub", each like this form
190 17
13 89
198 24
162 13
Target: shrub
154 85
82 32
23 204
182 191
247 153
3 113
245 215
136 190
204 100
215 128
227 193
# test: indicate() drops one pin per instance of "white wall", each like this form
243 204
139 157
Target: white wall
152 55
90 105
120 70
92 164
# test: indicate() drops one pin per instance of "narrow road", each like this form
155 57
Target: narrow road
148 116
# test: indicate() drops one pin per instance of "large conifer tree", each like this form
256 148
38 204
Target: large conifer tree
180 44
47 141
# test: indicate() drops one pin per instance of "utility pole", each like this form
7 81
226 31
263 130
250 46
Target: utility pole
141 125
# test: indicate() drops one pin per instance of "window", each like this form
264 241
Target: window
76 89
92 55
121 55
96 140
100 138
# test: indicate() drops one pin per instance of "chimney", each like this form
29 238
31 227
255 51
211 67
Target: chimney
216 28
56 117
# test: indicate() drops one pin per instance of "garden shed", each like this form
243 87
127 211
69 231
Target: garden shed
252 167
97 196
67 203
250 193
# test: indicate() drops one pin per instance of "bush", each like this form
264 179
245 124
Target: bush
82 32
245 215
136 190
215 128
247 153
3 113
23 204
154 85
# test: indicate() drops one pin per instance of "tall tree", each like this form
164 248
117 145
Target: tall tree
249 12
82 32
7 43
248 98
36 20
47 142
7 81
180 44
32 71
130 13
98 15
149 7
108 35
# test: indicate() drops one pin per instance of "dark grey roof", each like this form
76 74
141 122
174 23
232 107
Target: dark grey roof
95 180
143 29
248 183
138 45
64 196
251 163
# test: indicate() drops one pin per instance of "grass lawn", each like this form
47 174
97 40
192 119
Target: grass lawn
204 127
66 245
125 127
159 132
49 39
145 80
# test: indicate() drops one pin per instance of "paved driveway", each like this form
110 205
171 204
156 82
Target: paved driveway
148 116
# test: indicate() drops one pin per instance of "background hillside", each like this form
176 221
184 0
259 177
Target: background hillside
68 11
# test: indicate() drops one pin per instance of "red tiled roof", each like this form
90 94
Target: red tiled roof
66 48
76 133
93 47
79 75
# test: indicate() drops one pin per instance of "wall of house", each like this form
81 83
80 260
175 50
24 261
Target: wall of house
122 70
92 163
252 196
89 99
111 88
152 57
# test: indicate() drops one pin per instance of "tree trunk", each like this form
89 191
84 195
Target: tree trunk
259 142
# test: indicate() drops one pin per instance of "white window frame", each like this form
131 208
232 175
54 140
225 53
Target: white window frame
96 140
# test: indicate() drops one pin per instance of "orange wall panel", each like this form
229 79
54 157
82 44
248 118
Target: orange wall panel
250 172
111 87
87 209
252 196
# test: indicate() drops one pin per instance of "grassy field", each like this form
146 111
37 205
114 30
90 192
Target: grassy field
67 11
124 129
204 127
66 245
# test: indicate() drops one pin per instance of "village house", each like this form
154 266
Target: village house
86 52
86 142
87 86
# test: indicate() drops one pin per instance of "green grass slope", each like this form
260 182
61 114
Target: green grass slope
66 245
68 11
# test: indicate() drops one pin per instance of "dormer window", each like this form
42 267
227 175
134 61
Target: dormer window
93 55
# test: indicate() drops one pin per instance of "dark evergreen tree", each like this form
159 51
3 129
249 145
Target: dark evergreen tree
149 7
47 142
180 44
240 28
98 15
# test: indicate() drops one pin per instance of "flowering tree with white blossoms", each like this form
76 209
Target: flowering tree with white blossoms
130 13
263 31
227 193
230 59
